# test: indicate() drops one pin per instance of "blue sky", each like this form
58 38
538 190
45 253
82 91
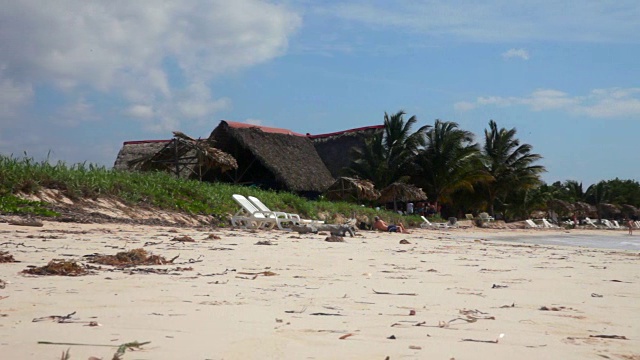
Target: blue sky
78 78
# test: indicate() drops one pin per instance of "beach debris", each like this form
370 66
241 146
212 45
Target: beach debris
3 284
508 306
183 239
412 312
617 337
131 258
345 336
171 271
296 311
404 242
390 293
486 341
496 286
552 308
5 257
212 237
415 347
151 243
58 267
255 274
392 337
134 345
57 318
334 238
264 242
27 222
325 314
596 295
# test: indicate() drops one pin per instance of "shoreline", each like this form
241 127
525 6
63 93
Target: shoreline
446 294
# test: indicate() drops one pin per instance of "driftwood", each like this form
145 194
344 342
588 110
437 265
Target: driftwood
334 229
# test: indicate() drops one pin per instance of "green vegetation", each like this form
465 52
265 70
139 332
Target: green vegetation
156 189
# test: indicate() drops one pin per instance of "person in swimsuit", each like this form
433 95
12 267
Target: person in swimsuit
379 224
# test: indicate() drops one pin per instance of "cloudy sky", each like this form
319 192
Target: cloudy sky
78 78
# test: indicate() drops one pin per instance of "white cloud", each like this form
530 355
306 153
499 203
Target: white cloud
124 46
147 60
499 21
516 53
599 103
140 111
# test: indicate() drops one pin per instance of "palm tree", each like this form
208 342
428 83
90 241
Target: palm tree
387 156
448 162
509 163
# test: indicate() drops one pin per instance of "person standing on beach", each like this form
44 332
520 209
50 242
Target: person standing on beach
630 224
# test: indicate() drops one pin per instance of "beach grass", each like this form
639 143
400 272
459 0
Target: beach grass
19 176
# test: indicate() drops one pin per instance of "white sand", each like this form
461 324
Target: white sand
216 312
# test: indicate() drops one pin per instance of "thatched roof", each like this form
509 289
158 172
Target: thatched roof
336 149
187 157
132 151
584 209
560 206
629 210
402 192
272 157
352 189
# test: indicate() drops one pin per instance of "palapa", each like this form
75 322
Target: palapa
399 191
352 189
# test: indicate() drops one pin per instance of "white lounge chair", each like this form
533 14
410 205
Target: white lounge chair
615 224
250 216
294 218
530 224
546 223
607 223
590 222
428 224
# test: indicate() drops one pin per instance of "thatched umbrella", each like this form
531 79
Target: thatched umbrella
351 188
560 206
403 192
629 210
608 210
584 209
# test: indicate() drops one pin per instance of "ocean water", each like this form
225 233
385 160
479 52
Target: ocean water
619 240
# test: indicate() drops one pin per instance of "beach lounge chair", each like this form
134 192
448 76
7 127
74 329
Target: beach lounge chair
468 216
590 222
546 223
250 216
295 218
607 223
428 224
615 224
530 224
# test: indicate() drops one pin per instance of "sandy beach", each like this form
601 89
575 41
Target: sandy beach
278 295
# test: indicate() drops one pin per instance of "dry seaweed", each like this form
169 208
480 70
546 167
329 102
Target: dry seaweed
5 257
58 267
132 258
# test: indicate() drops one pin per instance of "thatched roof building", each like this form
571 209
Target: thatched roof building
187 157
132 151
271 157
336 149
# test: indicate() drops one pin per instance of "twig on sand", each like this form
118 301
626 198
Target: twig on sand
118 354
618 337
56 318
325 314
389 293
486 341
